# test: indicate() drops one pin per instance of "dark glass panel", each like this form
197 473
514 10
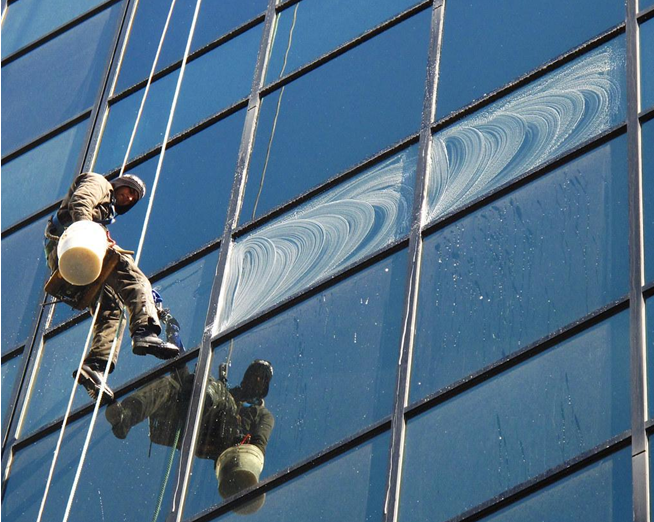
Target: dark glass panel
335 360
129 472
602 492
647 64
319 238
548 117
350 487
514 37
337 115
57 81
9 372
41 176
648 198
185 292
23 276
522 267
216 17
311 28
518 424
28 20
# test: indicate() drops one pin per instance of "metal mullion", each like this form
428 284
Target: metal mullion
203 366
398 426
646 115
57 32
646 14
10 354
640 449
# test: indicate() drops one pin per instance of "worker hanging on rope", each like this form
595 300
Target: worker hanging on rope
121 283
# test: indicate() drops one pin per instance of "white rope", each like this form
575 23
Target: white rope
140 245
95 315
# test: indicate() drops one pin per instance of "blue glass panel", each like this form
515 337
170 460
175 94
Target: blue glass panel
335 361
648 197
122 478
185 292
312 28
41 176
523 130
350 487
644 4
214 19
514 38
650 351
23 276
647 64
522 267
9 372
27 20
320 238
602 492
57 81
337 115
518 424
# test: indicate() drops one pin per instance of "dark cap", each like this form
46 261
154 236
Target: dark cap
133 182
262 368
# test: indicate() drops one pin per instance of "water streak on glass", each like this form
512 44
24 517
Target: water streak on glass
523 130
319 238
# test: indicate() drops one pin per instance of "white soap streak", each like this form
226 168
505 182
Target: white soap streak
320 238
538 122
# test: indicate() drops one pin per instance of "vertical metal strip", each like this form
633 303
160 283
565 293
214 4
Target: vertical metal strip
203 366
640 451
398 426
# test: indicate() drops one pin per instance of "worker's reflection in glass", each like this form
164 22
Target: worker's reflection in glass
235 426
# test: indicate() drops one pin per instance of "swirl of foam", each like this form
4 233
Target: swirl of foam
319 238
541 120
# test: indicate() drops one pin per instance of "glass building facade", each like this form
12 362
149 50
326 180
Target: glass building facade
435 219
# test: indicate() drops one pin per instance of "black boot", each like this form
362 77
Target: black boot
91 379
119 418
147 342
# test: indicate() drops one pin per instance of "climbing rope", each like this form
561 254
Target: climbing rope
169 467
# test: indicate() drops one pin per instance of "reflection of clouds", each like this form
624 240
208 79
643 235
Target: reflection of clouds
554 114
319 238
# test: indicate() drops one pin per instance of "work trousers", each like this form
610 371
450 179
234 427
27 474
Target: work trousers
126 286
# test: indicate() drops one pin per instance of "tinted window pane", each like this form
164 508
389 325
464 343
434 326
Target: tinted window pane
186 293
644 4
517 425
526 128
134 469
648 197
57 81
23 277
518 270
28 20
334 358
215 19
650 349
41 176
9 372
335 116
647 64
602 492
514 38
319 238
312 28
351 487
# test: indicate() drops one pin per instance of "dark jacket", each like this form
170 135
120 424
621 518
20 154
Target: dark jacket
90 197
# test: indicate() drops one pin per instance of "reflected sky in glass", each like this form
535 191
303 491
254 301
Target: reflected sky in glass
513 37
518 424
647 64
522 267
350 487
9 372
526 128
39 177
601 492
57 81
311 28
320 237
28 20
335 360
23 277
648 197
186 293
337 115
649 333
